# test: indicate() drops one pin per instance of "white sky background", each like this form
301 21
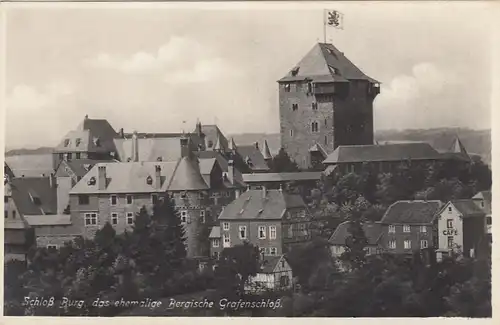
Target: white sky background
149 69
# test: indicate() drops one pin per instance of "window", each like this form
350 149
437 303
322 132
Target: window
243 232
392 229
6 213
215 242
5 199
51 247
295 107
406 228
282 263
314 127
90 219
114 218
314 106
291 133
262 232
13 214
184 215
449 223
392 244
154 198
61 156
482 204
449 209
66 142
287 88
272 232
423 244
326 122
216 255
130 218
423 229
78 155
68 156
202 216
309 87
149 180
78 141
83 199
488 220
273 251
407 244
227 240
326 140
225 226
450 241
129 199
113 199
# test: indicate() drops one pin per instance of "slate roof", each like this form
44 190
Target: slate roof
281 177
257 161
82 138
30 165
207 162
214 135
49 220
486 196
34 195
79 167
468 208
214 232
325 63
386 152
131 177
150 148
412 212
252 205
373 233
268 263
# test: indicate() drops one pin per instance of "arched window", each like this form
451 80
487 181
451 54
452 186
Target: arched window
314 127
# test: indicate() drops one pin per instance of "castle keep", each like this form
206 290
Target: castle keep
325 101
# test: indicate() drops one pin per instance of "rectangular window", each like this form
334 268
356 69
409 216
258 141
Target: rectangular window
450 242
392 244
262 232
5 199
407 244
129 199
449 223
216 255
406 228
6 214
78 141
154 198
449 209
130 218
243 232
61 156
113 200
423 244
227 240
202 216
287 88
114 218
216 242
184 215
291 133
69 156
295 107
90 219
225 226
314 106
272 232
423 229
273 251
77 155
13 214
392 229
52 247
488 221
83 199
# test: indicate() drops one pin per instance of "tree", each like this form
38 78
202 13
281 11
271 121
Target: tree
356 241
348 188
282 163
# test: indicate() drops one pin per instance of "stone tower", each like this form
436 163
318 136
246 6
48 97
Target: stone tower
325 101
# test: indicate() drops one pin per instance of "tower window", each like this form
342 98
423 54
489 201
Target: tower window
326 122
326 140
314 106
309 87
291 133
287 88
295 107
314 127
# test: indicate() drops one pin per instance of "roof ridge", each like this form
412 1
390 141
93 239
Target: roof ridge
173 173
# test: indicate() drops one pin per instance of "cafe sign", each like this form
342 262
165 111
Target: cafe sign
450 232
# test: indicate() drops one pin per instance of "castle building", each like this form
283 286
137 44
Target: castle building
325 101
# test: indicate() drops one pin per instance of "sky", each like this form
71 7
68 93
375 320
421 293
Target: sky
149 68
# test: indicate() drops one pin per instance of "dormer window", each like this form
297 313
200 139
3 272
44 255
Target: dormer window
35 199
91 181
210 143
97 142
78 141
159 159
149 180
66 142
295 71
334 70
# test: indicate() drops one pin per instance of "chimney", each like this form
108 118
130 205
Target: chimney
185 150
237 193
230 171
52 182
101 178
86 116
264 191
281 188
121 134
198 128
256 145
158 176
135 147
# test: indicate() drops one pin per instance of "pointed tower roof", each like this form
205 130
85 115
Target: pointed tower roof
266 152
187 176
458 147
232 145
325 63
217 145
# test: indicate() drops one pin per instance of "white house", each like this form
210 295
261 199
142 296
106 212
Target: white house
275 273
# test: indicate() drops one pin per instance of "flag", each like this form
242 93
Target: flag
334 18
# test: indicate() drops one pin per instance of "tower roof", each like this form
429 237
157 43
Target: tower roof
458 147
266 152
325 63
